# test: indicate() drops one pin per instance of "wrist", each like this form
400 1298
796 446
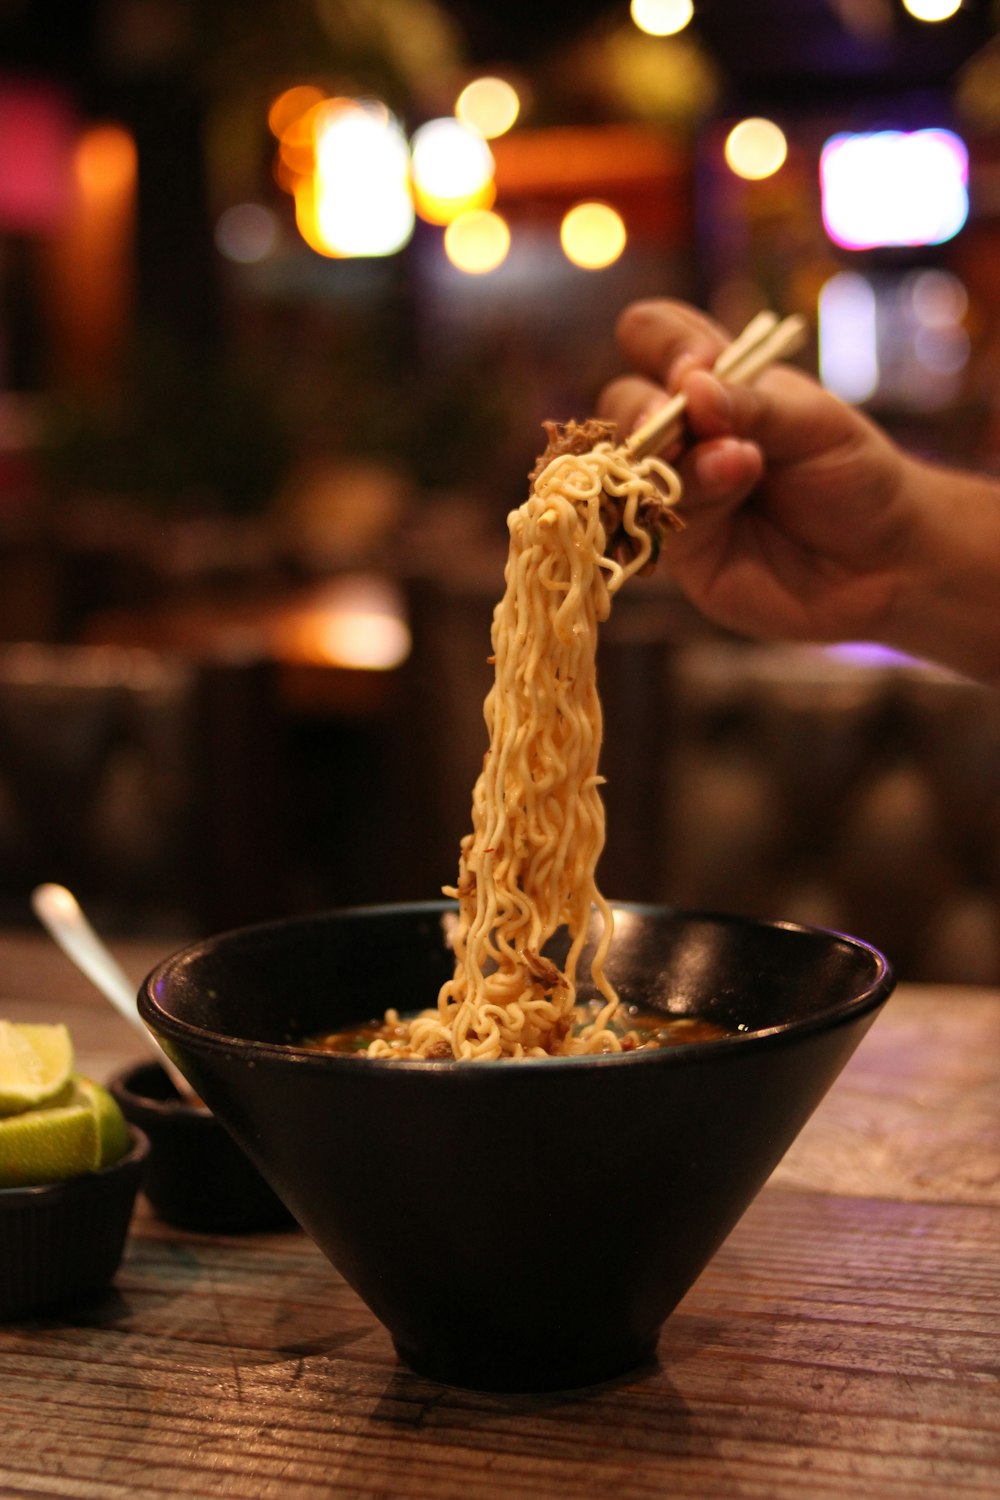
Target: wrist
947 602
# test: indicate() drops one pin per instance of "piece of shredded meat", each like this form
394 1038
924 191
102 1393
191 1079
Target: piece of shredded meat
572 437
543 969
655 519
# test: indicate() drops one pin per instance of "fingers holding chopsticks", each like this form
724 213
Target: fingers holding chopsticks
765 339
661 338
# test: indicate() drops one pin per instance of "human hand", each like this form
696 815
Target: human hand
798 517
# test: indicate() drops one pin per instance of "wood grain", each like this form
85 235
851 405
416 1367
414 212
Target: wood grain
844 1341
916 1112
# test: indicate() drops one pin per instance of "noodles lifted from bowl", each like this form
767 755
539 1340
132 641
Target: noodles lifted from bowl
594 517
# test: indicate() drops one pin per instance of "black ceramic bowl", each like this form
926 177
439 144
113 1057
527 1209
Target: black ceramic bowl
516 1226
197 1177
62 1242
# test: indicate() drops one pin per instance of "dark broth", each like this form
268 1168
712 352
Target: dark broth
638 1030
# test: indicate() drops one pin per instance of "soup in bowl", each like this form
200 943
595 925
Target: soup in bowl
517 1225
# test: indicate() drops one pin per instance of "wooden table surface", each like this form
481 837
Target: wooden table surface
845 1341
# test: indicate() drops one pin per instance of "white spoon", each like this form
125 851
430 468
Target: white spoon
60 913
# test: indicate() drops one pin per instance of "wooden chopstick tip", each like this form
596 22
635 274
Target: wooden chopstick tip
763 342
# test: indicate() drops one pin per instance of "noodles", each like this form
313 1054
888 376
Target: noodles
527 869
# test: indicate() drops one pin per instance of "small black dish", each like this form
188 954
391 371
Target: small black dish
62 1242
197 1176
516 1225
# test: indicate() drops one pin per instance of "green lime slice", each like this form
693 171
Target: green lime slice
81 1131
113 1138
35 1065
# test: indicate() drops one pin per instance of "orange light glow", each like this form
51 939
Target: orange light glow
358 624
105 163
289 108
581 159
297 147
306 221
92 257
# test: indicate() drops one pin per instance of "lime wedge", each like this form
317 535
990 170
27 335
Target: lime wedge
113 1138
81 1131
35 1065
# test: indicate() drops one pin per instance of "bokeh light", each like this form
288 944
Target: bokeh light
489 106
932 10
361 204
293 118
292 106
592 235
477 242
755 148
894 187
661 17
939 302
246 233
452 170
359 623
105 162
848 337
895 339
939 298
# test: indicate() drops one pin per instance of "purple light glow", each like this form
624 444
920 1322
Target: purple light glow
894 187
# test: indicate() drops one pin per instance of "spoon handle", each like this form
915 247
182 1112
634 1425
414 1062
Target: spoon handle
61 914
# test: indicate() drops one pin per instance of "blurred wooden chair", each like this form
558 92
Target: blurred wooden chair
847 788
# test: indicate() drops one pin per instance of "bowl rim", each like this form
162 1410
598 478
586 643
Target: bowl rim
162 1110
83 1182
163 1023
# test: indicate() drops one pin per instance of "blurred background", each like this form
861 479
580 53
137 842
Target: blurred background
286 291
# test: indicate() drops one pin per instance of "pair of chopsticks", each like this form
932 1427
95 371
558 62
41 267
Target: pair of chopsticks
764 340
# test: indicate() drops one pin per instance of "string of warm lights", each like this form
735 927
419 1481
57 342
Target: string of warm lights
359 185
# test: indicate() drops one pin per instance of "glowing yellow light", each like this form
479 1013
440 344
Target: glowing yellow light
592 235
932 10
290 107
755 148
489 105
477 242
304 191
452 171
662 17
362 201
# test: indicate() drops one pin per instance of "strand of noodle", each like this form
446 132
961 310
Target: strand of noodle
528 867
